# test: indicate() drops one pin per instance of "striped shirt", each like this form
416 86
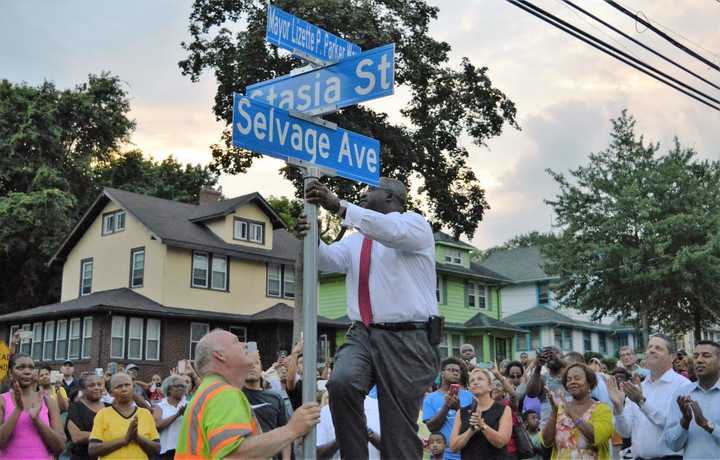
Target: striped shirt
216 422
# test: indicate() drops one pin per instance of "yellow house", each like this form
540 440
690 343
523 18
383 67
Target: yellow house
144 278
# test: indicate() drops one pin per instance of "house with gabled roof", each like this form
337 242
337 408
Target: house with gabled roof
529 302
145 278
468 296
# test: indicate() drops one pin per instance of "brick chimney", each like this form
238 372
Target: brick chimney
209 196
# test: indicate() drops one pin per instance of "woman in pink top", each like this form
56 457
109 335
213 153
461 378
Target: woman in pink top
31 427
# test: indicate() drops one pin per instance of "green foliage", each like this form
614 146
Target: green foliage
58 149
288 209
525 240
445 102
641 234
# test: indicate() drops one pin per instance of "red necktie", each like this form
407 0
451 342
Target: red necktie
363 284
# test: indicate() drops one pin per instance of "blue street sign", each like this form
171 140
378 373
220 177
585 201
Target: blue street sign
292 33
368 75
271 131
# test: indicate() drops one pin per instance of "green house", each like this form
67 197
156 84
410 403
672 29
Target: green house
468 297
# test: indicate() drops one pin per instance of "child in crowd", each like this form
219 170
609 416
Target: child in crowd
436 445
532 425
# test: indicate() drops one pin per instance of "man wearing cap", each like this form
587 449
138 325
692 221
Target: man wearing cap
389 263
138 389
69 382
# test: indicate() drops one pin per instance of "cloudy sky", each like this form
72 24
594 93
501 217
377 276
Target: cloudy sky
565 91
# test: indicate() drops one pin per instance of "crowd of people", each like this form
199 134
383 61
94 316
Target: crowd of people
554 406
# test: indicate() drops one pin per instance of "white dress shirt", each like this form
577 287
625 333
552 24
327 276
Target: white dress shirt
645 423
402 275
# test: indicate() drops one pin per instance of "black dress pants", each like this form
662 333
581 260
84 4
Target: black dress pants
403 365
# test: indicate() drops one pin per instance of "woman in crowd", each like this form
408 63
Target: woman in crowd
581 428
31 426
124 430
154 391
82 414
168 415
483 428
55 392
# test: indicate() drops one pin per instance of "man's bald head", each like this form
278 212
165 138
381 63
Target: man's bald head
215 340
389 196
395 187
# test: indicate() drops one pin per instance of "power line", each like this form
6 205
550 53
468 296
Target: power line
601 45
667 37
611 27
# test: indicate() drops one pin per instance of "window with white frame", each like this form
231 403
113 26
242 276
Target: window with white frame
197 331
603 342
245 230
152 342
274 280
323 352
453 256
113 222
135 338
200 272
256 233
117 337
543 290
240 232
280 281
74 339
49 341
61 340
563 338
289 281
439 289
137 267
587 341
240 332
219 273
87 337
450 345
476 295
13 329
86 274
37 344
25 344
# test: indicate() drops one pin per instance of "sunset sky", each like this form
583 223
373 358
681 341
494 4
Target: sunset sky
566 92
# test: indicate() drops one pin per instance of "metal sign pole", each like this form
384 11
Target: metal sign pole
310 305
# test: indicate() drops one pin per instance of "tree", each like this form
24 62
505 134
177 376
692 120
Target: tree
446 103
641 235
58 149
525 240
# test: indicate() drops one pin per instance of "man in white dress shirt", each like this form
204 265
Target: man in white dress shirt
389 263
645 413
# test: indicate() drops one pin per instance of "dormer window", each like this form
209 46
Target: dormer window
248 230
113 222
453 256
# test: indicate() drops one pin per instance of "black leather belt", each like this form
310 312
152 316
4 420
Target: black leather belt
406 326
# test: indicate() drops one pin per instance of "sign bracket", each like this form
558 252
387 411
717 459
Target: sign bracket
312 119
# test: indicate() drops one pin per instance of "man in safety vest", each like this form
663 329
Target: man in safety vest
219 422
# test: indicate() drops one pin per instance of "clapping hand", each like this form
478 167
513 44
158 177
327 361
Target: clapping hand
617 395
475 421
132 431
17 396
34 409
683 403
298 348
554 403
698 413
633 391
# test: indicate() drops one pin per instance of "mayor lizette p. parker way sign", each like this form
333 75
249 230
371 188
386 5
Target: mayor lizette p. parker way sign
272 131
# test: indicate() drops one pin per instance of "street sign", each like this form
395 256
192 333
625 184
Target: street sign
356 79
272 131
305 39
